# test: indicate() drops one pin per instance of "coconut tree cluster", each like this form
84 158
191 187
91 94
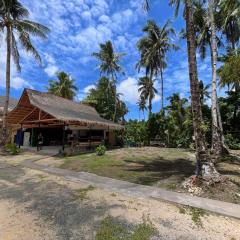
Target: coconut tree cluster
204 21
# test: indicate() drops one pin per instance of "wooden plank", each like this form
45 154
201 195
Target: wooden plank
27 115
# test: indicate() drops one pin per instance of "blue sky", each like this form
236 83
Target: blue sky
77 28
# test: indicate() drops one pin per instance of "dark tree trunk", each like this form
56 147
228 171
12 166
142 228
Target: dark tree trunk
7 94
205 167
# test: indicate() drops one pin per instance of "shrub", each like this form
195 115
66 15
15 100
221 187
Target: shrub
100 150
11 149
232 142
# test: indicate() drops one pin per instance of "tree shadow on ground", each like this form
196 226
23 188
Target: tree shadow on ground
160 169
54 204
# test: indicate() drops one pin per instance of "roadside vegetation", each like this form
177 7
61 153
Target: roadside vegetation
162 167
113 230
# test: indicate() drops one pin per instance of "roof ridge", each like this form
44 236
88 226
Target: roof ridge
65 99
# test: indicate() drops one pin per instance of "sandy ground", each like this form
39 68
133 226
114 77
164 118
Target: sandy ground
35 205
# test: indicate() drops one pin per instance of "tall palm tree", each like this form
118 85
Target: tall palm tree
13 19
204 20
64 86
230 23
142 106
153 49
204 167
217 133
147 91
109 65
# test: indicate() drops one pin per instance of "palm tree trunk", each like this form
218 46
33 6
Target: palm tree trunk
8 69
115 96
161 73
205 167
149 105
225 148
217 133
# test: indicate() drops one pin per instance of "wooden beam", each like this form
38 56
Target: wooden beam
27 115
44 120
39 114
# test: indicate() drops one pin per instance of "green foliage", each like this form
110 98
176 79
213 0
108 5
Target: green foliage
174 126
135 133
64 86
229 108
153 49
109 65
233 143
100 150
12 149
229 72
103 98
110 229
196 214
147 91
14 16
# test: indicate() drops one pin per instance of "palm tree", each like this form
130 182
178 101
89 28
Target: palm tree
204 92
204 167
206 37
142 106
64 86
153 49
147 91
230 15
229 71
109 65
217 134
13 18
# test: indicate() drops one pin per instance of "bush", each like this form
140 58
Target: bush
100 150
11 149
135 133
232 142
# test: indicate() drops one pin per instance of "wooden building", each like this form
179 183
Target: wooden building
60 122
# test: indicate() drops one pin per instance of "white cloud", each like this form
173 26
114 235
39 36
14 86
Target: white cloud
51 70
17 83
129 90
83 93
88 88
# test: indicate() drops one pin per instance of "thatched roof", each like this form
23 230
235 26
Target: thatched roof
63 109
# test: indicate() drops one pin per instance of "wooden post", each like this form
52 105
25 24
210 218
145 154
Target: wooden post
19 143
90 145
38 130
63 138
31 138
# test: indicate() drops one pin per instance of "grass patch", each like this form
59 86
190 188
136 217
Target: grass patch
171 186
82 192
196 214
112 230
182 210
161 167
148 166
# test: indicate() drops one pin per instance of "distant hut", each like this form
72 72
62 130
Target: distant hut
61 122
